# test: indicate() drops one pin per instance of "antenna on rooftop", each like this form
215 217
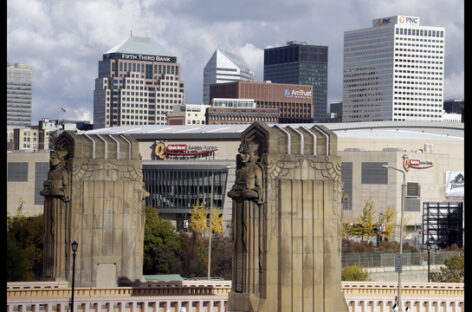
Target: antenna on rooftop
131 33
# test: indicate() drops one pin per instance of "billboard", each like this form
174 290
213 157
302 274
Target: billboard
455 185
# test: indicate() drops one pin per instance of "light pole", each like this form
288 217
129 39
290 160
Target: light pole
401 234
74 245
211 219
428 246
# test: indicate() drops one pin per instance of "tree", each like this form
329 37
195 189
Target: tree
198 219
161 245
388 221
25 237
366 220
216 221
453 272
354 273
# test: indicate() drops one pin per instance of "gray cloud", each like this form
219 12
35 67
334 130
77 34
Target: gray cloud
63 41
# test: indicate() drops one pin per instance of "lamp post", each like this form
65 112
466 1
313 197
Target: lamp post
401 234
211 219
74 245
428 246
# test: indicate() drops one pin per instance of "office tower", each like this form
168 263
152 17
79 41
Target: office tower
224 67
19 95
138 84
300 63
393 71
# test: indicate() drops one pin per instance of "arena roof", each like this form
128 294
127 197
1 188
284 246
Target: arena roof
380 130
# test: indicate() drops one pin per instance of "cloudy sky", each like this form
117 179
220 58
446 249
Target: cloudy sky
64 40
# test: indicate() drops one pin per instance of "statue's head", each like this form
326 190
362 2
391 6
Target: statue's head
56 158
248 152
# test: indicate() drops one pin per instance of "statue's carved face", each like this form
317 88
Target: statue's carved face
54 160
245 156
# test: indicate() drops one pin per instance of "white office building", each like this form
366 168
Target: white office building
224 67
394 71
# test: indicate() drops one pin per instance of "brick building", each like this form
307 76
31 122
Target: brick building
294 102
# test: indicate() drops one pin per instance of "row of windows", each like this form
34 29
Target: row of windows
419 32
138 67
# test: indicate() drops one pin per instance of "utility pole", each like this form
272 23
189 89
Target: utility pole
401 235
211 215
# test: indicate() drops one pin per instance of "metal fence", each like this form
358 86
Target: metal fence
386 259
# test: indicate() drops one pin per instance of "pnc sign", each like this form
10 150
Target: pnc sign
382 21
408 20
415 163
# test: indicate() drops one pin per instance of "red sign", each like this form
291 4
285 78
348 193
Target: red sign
163 151
415 163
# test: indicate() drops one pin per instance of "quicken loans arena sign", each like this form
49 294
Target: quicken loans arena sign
182 151
415 163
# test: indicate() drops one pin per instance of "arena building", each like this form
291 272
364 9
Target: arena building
184 163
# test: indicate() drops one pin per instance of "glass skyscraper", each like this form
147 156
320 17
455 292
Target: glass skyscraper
19 95
300 63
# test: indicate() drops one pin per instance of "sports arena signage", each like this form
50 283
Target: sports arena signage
142 57
185 151
455 185
415 163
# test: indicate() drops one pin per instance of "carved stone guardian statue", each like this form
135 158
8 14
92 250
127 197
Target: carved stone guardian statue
287 221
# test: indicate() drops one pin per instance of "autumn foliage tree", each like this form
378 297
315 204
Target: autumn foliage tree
366 221
388 221
199 221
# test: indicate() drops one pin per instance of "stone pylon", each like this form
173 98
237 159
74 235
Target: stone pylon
287 223
94 195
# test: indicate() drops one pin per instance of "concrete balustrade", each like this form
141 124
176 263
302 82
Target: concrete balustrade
212 297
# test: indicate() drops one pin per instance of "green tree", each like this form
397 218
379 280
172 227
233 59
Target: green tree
161 245
354 273
366 221
452 273
17 263
192 253
25 237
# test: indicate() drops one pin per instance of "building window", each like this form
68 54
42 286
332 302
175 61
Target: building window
374 173
17 171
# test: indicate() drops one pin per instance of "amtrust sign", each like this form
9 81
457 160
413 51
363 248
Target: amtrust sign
299 94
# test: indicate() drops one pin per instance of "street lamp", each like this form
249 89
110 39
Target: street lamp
428 246
401 234
74 245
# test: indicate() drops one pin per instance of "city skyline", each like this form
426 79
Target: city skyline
62 43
